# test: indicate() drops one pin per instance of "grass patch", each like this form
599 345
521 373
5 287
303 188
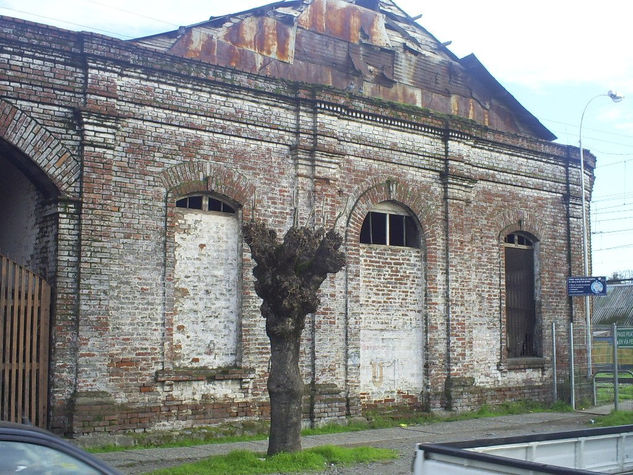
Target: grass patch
244 462
615 418
605 390
183 442
242 432
399 416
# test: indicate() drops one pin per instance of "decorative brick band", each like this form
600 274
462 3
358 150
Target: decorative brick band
41 146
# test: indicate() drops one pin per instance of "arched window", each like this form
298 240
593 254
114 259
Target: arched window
204 202
521 321
390 225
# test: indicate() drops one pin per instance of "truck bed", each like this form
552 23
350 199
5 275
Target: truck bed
589 451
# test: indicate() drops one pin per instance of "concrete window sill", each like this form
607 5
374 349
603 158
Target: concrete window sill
525 363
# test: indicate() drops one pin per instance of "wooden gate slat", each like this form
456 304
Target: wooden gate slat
15 300
4 312
7 347
34 372
27 349
43 354
24 332
20 346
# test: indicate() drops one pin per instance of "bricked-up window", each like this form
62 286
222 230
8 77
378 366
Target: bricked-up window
390 225
206 203
521 322
206 280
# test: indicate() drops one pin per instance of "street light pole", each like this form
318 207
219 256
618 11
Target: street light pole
615 97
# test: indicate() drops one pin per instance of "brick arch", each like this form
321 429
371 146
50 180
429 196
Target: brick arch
199 176
34 141
509 220
384 188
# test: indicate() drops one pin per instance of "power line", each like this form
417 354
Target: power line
612 248
613 209
612 232
89 28
602 131
614 197
621 162
610 219
140 15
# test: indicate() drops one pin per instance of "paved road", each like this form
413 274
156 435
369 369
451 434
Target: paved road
402 439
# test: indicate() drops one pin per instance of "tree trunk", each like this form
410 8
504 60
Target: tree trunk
285 389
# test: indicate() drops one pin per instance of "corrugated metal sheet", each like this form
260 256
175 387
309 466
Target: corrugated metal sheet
345 21
615 307
263 35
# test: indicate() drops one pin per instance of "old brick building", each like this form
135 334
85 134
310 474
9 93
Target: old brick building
128 166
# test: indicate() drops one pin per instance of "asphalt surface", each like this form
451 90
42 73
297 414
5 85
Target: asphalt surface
402 439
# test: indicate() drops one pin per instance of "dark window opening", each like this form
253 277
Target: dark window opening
191 202
206 203
397 230
518 240
521 324
389 229
221 206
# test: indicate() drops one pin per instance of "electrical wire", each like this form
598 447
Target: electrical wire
89 28
612 232
625 246
140 15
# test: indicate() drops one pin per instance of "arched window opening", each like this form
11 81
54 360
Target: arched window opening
206 304
521 322
518 240
390 225
205 203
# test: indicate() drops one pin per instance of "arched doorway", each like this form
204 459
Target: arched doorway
28 229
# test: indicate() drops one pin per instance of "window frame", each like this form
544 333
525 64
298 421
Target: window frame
205 202
389 209
522 240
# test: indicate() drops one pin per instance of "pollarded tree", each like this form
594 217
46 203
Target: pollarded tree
287 278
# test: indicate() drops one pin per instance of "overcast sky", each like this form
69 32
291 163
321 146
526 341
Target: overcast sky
553 56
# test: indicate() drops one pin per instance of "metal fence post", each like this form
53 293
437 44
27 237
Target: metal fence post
572 381
616 385
554 377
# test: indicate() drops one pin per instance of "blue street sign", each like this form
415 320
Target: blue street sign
586 286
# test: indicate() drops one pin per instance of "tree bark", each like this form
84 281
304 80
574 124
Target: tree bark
287 278
285 389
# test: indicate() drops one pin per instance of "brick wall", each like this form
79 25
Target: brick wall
391 334
149 128
206 314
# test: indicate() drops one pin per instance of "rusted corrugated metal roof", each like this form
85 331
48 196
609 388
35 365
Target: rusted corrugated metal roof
615 307
346 21
369 47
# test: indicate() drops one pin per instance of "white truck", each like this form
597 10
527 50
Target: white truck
590 451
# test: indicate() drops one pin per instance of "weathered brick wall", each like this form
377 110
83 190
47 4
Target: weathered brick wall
206 313
391 335
150 128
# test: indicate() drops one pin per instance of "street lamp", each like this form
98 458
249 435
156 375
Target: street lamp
615 97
